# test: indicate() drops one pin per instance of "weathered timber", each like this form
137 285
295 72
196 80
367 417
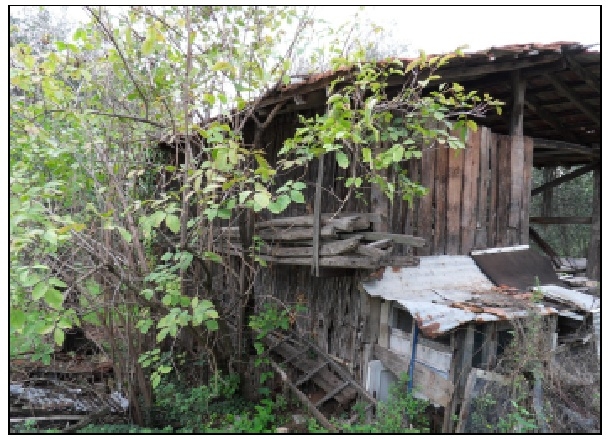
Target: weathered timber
291 234
345 222
453 201
303 398
566 91
526 189
586 75
356 262
397 238
330 248
484 181
546 248
517 158
567 177
594 253
381 244
427 382
504 171
316 227
324 378
560 220
469 202
440 181
493 202
532 103
424 220
374 252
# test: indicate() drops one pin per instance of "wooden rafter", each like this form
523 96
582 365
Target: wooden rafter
593 81
560 220
564 178
534 106
575 99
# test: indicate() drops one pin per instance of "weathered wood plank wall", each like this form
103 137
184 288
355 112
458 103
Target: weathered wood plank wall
478 197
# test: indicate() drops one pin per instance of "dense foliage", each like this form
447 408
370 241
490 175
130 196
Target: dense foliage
109 233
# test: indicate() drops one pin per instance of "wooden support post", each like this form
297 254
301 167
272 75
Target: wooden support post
317 218
461 365
594 255
383 338
517 158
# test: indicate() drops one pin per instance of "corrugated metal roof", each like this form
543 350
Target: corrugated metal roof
584 302
444 292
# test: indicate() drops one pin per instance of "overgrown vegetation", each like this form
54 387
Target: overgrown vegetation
109 232
546 388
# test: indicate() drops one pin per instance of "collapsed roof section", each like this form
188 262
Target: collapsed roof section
444 292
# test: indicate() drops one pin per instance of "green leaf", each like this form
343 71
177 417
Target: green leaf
211 325
297 196
342 159
157 218
261 201
280 204
39 290
213 257
367 154
173 222
58 283
127 236
54 298
58 336
18 319
155 377
164 369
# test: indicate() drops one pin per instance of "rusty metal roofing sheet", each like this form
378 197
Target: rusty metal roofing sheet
457 275
517 268
584 302
444 292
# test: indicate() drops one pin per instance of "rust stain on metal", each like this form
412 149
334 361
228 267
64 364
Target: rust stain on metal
431 330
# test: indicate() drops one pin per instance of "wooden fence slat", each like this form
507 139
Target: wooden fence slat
484 182
492 226
516 177
425 220
453 201
527 170
503 190
440 182
470 192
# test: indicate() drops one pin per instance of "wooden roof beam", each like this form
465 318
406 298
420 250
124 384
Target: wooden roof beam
584 74
534 106
576 100
567 177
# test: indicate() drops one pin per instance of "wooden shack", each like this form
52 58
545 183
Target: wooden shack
478 198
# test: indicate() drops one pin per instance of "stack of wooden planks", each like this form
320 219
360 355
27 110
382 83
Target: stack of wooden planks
346 241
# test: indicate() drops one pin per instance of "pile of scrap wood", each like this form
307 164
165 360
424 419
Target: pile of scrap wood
345 241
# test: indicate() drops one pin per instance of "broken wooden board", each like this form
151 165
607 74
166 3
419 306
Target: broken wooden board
426 382
395 237
330 248
324 378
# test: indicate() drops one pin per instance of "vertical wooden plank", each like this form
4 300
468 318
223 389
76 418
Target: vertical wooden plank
383 333
527 174
440 183
470 193
484 182
425 219
594 256
492 205
517 159
504 174
453 201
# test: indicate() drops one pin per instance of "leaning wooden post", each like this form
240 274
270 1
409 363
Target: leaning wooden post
317 218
